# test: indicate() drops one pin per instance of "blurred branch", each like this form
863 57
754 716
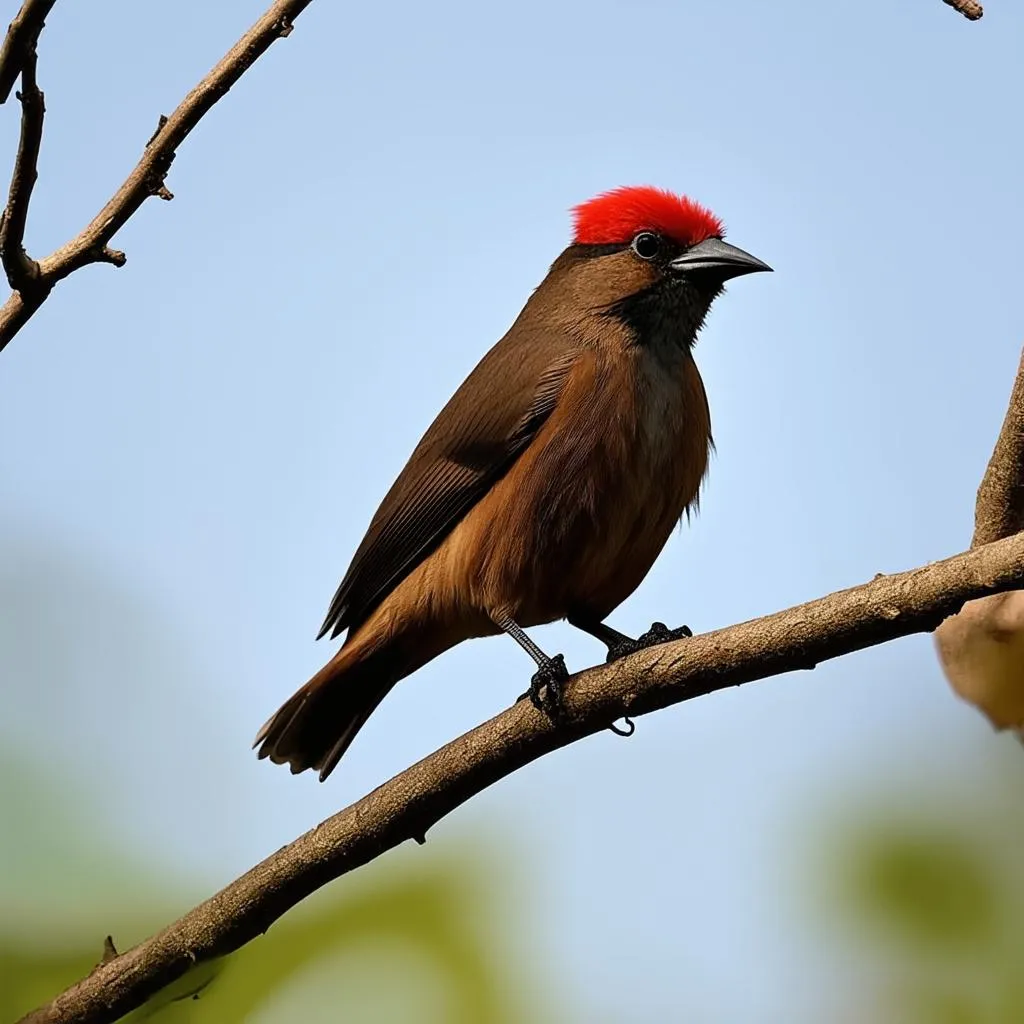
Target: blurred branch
20 42
968 8
999 510
147 178
409 804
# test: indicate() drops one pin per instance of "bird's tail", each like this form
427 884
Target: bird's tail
315 726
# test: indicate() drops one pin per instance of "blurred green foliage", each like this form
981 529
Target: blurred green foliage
420 935
928 889
431 959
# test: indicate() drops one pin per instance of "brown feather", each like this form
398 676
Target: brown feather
578 521
546 488
486 424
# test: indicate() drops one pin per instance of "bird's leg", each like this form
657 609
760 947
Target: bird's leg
619 645
545 690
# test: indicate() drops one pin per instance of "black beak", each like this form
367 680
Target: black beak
718 257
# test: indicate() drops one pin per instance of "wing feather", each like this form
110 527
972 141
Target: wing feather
489 421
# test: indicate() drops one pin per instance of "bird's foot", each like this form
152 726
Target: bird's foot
659 633
546 687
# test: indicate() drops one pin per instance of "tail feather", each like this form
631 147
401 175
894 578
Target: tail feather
315 727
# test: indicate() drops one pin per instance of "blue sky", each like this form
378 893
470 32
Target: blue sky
209 429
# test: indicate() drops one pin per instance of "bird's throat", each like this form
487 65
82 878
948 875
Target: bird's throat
668 315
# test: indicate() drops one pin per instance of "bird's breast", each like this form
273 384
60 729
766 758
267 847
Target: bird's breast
663 410
581 517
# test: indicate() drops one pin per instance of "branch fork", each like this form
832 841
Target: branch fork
32 281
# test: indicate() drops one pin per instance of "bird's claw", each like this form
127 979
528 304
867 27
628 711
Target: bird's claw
659 633
546 690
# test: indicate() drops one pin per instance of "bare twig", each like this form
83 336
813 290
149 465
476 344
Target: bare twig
412 802
970 9
999 510
91 245
20 42
22 271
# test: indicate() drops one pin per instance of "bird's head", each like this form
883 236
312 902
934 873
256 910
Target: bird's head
651 258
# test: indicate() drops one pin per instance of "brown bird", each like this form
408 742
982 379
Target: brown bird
548 484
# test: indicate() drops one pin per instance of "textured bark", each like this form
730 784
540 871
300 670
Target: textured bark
970 9
22 271
999 510
20 42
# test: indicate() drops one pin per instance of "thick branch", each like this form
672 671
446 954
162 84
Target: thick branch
147 178
980 648
970 9
20 42
999 510
22 271
412 802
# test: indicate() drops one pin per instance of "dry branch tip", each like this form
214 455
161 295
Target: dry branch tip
970 9
113 256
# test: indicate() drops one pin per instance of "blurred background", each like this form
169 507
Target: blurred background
192 447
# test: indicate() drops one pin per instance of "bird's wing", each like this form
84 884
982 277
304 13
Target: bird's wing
486 425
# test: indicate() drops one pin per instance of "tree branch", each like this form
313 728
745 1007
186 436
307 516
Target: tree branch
981 649
970 9
22 271
20 42
412 802
999 510
147 178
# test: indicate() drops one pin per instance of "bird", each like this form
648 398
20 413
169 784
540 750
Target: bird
548 484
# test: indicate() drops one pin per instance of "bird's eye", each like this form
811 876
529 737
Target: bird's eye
646 245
